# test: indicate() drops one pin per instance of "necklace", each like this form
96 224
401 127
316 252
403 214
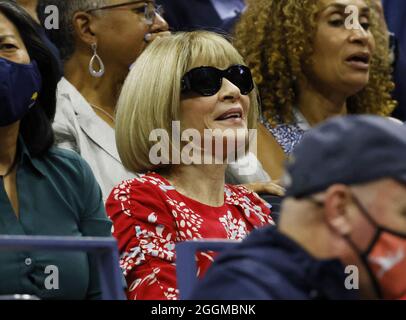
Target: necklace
103 111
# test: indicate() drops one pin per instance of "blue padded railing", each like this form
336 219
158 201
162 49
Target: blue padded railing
104 250
186 268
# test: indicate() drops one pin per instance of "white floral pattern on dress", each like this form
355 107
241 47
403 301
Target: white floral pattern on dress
150 217
236 228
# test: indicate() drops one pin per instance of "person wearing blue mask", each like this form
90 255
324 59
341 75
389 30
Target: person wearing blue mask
31 7
342 229
43 190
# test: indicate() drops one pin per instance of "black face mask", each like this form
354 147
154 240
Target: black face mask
207 81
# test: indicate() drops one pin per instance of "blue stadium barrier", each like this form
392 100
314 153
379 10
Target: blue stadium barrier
186 268
104 250
275 202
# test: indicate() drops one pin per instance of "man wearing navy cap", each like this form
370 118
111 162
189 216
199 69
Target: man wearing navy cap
342 230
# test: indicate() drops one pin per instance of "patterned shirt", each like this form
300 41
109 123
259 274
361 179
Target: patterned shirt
288 135
150 217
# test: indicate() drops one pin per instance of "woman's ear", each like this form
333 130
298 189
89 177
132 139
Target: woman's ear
84 25
338 201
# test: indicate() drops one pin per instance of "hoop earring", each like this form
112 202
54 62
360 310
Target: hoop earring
93 72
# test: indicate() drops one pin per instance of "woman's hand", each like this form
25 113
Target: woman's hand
272 188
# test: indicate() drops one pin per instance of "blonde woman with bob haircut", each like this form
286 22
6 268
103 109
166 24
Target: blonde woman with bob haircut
200 80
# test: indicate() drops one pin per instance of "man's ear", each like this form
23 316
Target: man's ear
83 24
337 202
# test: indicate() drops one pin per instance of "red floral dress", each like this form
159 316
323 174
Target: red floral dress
149 217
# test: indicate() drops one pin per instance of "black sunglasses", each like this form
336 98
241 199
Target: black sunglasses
207 80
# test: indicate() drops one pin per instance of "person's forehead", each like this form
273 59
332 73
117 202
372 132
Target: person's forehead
222 61
7 28
207 63
327 4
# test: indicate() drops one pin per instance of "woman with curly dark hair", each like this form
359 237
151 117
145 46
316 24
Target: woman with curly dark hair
311 60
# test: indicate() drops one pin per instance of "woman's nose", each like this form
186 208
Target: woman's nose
159 23
360 35
229 91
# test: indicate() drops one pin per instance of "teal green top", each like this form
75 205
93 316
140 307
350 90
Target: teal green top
58 195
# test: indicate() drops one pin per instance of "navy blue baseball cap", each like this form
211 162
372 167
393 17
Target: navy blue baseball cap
349 150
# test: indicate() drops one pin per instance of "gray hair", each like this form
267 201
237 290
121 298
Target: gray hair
63 37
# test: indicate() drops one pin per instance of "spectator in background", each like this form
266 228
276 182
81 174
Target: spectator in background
31 7
377 5
98 40
213 15
172 201
342 227
309 66
43 190
87 94
395 13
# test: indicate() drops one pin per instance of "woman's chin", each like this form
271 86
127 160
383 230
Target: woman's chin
356 83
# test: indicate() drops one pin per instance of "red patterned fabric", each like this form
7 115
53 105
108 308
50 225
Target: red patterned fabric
149 217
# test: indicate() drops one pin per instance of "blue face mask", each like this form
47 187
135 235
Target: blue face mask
20 85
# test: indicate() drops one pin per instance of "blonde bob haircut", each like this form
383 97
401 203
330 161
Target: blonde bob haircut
151 95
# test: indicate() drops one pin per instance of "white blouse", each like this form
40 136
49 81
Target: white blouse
79 128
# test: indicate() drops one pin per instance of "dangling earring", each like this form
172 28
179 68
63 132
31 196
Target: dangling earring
93 72
147 37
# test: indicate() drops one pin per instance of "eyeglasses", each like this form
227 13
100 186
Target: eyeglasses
149 9
207 81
